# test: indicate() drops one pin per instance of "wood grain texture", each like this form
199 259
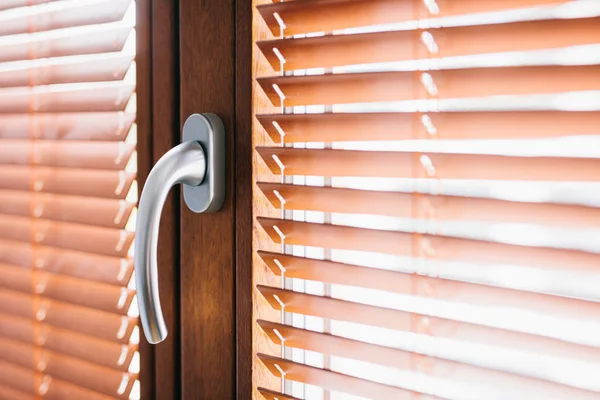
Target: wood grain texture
158 133
166 135
243 197
207 72
144 157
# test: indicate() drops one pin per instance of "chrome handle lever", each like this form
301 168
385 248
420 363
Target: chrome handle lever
198 163
185 164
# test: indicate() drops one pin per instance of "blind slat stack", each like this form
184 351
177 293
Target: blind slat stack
68 318
426 199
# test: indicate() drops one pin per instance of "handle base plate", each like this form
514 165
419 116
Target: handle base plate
209 131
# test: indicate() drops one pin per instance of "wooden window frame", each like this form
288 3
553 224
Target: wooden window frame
159 120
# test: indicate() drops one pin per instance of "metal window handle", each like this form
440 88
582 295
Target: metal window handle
198 163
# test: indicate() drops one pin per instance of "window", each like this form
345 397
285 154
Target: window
68 315
426 199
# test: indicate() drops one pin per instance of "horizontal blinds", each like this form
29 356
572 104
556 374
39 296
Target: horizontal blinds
77 264
107 183
103 127
107 96
447 84
23 381
95 211
449 125
447 208
273 395
95 295
98 351
62 14
68 316
324 343
90 239
345 274
331 380
380 47
299 16
446 247
79 372
426 199
68 70
109 155
7 4
93 39
443 166
444 328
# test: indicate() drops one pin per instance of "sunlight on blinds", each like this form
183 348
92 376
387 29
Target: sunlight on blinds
68 314
501 301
